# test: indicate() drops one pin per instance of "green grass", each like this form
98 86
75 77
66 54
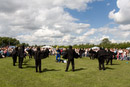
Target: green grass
54 75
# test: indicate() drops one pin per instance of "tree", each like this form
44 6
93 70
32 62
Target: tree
105 43
6 41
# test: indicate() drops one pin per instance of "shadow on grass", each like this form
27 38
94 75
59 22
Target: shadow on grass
26 61
29 67
115 64
46 70
79 69
25 64
109 68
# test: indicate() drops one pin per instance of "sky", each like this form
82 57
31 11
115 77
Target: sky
65 22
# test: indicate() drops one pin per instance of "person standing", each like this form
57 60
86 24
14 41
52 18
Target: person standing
37 57
14 55
30 52
70 54
101 58
58 53
21 55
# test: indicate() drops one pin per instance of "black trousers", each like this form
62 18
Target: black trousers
68 63
101 63
30 55
109 59
20 62
38 65
14 60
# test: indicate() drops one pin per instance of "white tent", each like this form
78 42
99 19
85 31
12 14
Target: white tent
95 48
47 47
128 48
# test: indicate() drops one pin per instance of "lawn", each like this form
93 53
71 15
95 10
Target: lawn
54 75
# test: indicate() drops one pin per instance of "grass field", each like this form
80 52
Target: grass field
54 75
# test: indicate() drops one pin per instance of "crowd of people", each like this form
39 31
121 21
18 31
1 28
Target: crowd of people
121 54
39 53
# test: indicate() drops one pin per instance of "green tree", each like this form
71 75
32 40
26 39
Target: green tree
105 43
6 41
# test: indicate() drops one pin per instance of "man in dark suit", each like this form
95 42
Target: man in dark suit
101 58
14 55
109 57
30 52
21 55
92 54
37 57
70 54
81 51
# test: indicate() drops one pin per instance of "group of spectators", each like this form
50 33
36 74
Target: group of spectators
5 51
120 54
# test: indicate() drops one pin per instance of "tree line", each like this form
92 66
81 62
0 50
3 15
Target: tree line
105 43
8 41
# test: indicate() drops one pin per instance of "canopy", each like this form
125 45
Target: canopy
95 48
47 47
128 48
12 46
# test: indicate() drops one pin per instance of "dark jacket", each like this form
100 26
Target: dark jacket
102 52
15 52
37 55
21 52
70 54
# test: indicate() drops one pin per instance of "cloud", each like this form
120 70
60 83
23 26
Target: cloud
125 27
122 16
90 32
46 22
108 4
41 21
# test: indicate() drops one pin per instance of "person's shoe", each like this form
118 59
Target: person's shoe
100 69
66 70
40 71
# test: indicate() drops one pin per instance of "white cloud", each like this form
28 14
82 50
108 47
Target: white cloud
41 21
108 4
104 37
125 27
122 16
46 22
90 32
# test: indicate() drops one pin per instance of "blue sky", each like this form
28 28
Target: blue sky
54 22
97 13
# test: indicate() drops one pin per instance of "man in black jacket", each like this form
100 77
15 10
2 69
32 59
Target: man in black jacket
21 55
14 55
30 52
37 57
109 57
70 55
101 58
